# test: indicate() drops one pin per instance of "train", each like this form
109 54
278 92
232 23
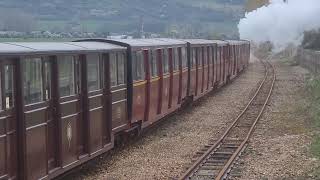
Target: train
65 103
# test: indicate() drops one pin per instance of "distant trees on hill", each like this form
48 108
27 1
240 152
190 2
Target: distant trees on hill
255 4
311 40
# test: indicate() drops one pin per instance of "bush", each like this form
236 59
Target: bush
311 40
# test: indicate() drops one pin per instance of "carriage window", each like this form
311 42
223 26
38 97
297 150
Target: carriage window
137 66
32 78
134 60
113 69
176 58
222 53
9 84
121 64
165 63
184 57
67 85
93 72
210 54
218 55
47 80
214 54
200 57
194 57
205 55
140 67
153 63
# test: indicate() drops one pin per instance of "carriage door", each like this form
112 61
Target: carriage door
99 123
38 116
8 121
72 131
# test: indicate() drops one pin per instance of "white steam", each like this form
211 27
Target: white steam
281 23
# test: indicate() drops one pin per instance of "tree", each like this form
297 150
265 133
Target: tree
255 4
311 39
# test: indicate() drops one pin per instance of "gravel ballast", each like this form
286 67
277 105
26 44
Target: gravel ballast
280 145
166 150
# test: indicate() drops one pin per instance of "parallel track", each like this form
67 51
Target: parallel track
216 159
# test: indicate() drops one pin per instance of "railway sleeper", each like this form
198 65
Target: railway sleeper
244 126
220 157
215 163
224 153
209 167
232 141
229 146
227 150
207 173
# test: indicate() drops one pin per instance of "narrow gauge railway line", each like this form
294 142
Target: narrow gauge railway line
215 160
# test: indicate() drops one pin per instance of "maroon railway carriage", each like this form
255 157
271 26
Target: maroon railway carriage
158 82
239 54
223 61
55 105
245 54
61 104
201 59
235 57
208 65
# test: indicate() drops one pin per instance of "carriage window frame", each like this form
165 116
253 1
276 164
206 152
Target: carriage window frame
134 65
200 56
75 75
176 58
165 61
210 55
214 54
194 57
138 66
154 59
222 53
113 69
218 55
35 75
205 55
117 64
183 56
47 80
8 85
121 72
96 58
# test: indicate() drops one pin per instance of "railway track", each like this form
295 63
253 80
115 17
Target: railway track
216 159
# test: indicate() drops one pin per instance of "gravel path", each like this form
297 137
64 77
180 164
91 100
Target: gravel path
166 150
279 148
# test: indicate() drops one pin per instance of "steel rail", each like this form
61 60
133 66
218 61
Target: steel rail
190 170
224 171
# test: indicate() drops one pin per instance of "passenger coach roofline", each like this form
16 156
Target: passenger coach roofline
105 41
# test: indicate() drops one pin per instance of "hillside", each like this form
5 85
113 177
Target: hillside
159 16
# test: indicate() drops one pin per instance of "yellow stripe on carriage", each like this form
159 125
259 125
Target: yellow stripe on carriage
155 79
176 73
139 83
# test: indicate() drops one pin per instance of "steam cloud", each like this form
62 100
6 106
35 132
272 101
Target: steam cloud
281 23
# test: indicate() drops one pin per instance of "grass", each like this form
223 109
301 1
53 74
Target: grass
313 91
315 147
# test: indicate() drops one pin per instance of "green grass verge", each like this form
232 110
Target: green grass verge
313 91
313 94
